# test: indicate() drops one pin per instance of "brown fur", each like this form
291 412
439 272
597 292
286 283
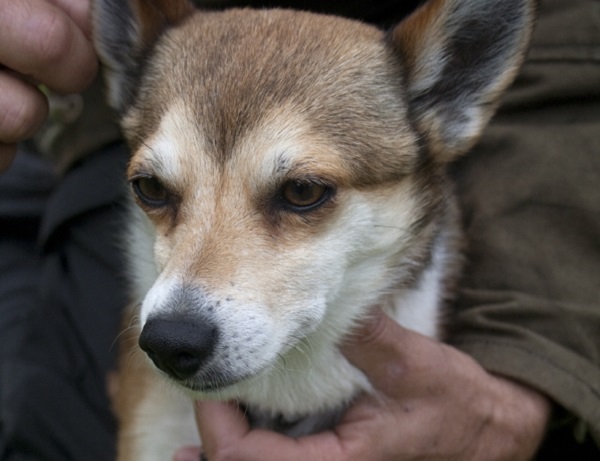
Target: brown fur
138 375
285 71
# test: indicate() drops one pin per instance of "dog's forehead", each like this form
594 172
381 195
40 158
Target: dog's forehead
228 74
280 146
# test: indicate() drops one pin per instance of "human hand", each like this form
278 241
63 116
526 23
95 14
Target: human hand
432 402
41 42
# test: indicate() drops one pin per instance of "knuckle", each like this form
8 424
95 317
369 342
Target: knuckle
371 331
54 38
225 453
358 453
19 119
65 60
225 456
15 124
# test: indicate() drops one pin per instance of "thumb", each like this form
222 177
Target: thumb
220 424
390 355
190 453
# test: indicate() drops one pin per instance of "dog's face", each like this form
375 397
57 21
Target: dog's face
281 193
290 166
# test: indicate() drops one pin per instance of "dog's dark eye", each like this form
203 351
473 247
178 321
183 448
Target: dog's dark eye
304 195
150 191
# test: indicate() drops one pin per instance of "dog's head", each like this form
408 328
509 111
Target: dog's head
290 164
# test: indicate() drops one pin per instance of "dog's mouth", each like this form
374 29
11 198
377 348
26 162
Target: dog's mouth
212 385
213 382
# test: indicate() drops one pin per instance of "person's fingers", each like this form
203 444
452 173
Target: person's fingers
226 434
187 454
79 11
7 155
219 421
43 43
23 109
391 356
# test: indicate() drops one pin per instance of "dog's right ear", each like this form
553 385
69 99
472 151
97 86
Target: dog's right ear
124 33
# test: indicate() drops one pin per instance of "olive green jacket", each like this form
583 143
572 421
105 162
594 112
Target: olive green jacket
529 304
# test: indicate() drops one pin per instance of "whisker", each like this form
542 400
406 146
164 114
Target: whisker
403 229
133 320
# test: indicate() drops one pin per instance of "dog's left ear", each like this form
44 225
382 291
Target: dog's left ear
124 33
459 56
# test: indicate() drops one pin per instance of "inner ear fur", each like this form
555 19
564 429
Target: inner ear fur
124 33
459 56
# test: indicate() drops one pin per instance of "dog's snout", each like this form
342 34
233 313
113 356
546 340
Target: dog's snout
178 345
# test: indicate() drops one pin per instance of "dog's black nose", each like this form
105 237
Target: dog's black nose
178 344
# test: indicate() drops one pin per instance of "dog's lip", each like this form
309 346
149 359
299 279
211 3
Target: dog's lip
214 385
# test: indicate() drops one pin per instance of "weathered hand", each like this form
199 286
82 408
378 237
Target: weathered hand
41 42
433 402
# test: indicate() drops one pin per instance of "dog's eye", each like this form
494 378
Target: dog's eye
304 195
150 191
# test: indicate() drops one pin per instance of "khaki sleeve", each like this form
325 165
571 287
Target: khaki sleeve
529 306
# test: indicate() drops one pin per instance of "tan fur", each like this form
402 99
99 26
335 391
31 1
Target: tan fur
139 377
415 44
272 76
140 397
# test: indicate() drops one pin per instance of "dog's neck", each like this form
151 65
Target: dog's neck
297 427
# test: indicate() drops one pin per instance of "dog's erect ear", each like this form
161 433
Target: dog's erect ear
459 56
124 32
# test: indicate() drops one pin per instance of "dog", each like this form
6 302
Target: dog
289 174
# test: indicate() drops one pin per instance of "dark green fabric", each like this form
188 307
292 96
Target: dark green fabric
529 306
